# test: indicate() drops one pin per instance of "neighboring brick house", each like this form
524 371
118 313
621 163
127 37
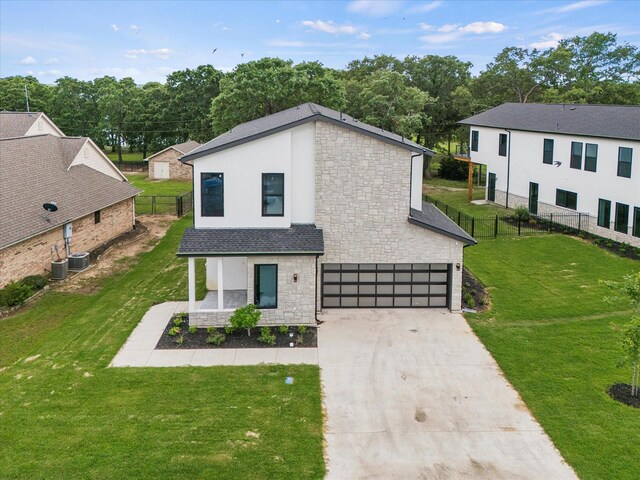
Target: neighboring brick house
166 164
91 194
309 209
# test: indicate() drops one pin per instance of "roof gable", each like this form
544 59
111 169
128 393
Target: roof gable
608 121
19 124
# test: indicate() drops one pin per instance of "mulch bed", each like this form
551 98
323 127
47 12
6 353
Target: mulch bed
621 392
237 339
472 286
138 230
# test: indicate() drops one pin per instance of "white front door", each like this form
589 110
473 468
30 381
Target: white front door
160 170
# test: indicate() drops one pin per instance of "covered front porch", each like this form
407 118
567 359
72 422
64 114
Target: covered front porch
226 283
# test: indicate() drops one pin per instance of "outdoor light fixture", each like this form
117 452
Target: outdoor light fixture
458 267
295 278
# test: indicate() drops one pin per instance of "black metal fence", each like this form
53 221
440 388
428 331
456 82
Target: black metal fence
512 225
177 205
133 166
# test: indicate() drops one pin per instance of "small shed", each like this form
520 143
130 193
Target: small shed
165 164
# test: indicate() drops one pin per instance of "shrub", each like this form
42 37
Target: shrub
216 338
523 213
452 169
178 321
193 329
37 282
211 330
469 301
299 340
245 317
302 329
15 293
174 331
179 340
283 329
266 336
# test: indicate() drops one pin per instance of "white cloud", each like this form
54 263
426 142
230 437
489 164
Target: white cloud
114 27
425 26
135 28
281 43
374 8
28 61
277 20
450 27
330 27
424 8
52 61
441 37
580 5
484 27
49 73
161 53
364 36
548 41
29 72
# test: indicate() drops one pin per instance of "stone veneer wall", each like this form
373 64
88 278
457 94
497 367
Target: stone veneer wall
588 223
33 256
295 299
177 169
362 204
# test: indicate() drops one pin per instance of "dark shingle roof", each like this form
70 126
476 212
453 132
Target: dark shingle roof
433 219
186 147
35 170
609 121
293 117
299 239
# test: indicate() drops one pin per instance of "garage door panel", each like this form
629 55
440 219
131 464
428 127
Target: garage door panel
385 285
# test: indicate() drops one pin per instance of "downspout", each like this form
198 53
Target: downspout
508 165
315 302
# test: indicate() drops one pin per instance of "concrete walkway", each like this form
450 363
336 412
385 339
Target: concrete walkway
413 394
138 351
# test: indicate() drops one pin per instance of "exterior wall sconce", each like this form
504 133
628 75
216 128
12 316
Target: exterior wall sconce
295 278
457 267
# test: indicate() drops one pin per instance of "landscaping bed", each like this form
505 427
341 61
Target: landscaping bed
299 336
622 393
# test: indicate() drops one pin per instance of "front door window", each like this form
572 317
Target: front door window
266 286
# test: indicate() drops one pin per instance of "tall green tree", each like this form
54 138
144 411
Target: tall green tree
13 99
116 101
74 108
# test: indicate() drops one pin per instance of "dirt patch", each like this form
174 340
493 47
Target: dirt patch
621 392
238 339
109 257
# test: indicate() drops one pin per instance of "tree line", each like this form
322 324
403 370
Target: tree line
420 97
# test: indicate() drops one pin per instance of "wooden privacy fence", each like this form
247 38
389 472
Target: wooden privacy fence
177 205
512 225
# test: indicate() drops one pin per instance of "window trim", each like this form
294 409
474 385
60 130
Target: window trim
575 159
587 158
502 147
560 192
548 141
620 162
256 279
202 214
626 225
264 207
604 222
475 140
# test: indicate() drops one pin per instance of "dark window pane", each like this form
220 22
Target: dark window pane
624 161
604 213
502 145
272 194
622 218
212 194
547 154
576 155
266 286
636 222
566 199
591 157
474 140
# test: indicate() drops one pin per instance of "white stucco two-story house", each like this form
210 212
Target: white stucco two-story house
555 158
309 209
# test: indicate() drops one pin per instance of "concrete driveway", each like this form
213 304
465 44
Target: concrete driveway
413 394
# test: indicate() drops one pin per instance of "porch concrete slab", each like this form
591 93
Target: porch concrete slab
255 356
414 394
211 357
170 358
297 356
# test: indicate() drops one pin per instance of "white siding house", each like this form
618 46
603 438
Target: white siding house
308 209
564 159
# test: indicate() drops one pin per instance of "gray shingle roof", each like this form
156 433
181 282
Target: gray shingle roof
299 239
610 121
186 147
16 124
35 170
433 219
293 117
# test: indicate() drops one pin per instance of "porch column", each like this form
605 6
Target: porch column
220 286
192 283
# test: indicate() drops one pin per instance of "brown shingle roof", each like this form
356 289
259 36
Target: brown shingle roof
16 124
35 170
186 147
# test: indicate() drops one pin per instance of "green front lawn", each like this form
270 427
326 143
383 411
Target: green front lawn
558 343
64 414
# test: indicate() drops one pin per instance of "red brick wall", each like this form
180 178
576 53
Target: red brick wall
33 256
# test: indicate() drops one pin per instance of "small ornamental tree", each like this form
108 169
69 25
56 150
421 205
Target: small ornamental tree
245 317
628 291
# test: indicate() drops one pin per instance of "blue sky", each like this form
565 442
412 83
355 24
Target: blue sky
147 40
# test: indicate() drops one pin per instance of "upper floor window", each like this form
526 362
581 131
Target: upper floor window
591 157
622 218
475 135
212 194
566 199
502 145
624 161
273 194
547 154
576 155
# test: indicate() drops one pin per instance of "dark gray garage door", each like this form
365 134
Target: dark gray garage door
385 285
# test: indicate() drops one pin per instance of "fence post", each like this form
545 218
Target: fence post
178 206
496 228
579 221
473 225
550 222
446 210
458 218
153 205
519 223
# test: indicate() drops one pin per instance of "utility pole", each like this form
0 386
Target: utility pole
26 95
